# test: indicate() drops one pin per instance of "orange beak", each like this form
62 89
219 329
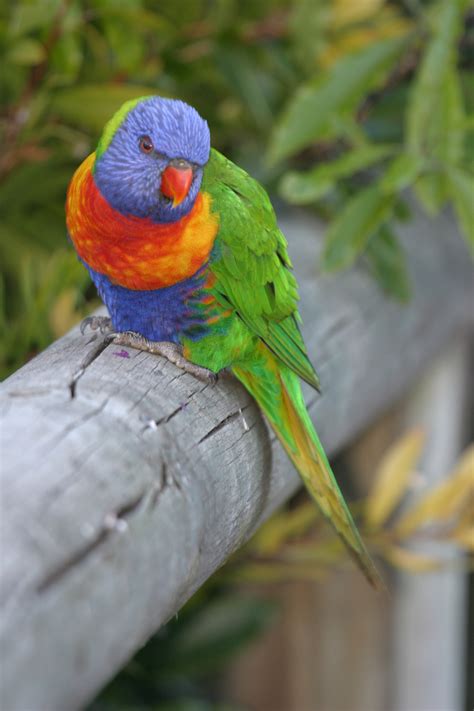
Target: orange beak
175 183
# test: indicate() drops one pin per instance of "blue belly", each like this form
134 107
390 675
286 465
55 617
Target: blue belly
159 314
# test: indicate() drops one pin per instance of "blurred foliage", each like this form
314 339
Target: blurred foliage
389 105
356 102
399 513
178 670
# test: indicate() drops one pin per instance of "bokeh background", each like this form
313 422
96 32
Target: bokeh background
337 105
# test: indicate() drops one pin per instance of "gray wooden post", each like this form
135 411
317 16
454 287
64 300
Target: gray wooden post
126 483
430 611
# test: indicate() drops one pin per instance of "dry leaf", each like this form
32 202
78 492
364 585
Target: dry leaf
352 26
282 527
463 532
444 501
464 537
393 477
411 561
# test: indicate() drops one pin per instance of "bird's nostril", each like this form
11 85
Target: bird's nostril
180 163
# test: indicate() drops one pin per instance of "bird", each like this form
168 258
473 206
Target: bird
184 249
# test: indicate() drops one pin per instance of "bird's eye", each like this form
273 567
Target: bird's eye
146 144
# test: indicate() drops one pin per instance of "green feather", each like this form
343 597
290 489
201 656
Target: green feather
252 264
261 341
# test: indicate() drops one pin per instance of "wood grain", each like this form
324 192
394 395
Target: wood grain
125 482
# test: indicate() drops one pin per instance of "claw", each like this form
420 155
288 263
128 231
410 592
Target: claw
97 323
171 351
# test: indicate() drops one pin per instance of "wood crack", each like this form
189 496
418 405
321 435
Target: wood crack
220 425
77 423
93 354
113 523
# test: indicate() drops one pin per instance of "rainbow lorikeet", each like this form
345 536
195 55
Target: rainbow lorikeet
184 249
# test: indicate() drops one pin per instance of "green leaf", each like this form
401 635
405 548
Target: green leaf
461 187
31 16
350 232
430 190
66 57
435 82
92 105
448 147
444 143
388 264
402 172
402 211
384 121
137 17
435 117
316 107
239 71
127 48
26 52
304 188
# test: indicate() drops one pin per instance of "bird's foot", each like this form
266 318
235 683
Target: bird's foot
171 351
97 323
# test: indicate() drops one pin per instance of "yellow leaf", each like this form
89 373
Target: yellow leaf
465 516
465 538
323 552
393 477
444 501
352 26
344 12
463 532
411 561
284 526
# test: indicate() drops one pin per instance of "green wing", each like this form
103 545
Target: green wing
251 263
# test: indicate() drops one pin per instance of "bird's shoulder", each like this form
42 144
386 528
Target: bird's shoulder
250 244
251 263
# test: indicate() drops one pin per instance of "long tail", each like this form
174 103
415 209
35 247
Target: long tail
277 390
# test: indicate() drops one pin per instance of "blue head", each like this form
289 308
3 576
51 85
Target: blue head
150 159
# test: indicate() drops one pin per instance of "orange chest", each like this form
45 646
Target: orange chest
135 252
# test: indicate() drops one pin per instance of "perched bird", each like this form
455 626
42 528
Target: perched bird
184 249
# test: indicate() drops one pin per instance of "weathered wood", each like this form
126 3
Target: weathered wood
126 483
430 611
